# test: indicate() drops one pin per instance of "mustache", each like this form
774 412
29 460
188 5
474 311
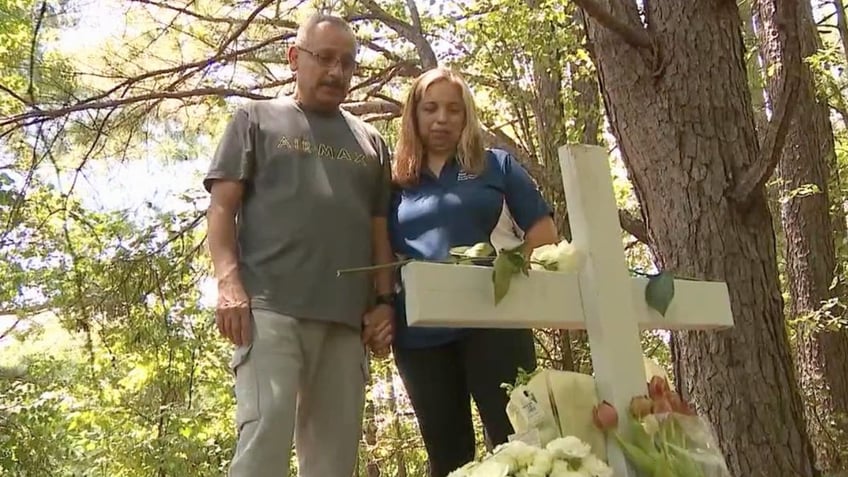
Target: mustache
333 84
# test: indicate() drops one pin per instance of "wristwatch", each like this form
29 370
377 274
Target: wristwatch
386 299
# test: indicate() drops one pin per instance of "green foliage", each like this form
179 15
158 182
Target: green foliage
660 291
507 264
521 379
116 367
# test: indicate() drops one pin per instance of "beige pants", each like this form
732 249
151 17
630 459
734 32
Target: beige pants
304 379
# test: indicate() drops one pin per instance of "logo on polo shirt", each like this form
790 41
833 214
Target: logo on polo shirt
465 176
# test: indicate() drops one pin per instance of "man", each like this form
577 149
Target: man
300 190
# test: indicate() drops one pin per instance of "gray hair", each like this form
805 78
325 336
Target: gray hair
313 21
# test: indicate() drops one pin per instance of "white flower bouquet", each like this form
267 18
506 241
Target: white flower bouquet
562 457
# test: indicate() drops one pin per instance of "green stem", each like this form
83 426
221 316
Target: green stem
400 263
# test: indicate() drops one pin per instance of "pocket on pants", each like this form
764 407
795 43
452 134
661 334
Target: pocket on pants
246 386
366 365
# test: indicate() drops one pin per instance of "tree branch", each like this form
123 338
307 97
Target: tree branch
241 28
291 24
772 147
370 118
14 95
37 116
405 30
416 18
634 36
752 180
196 64
11 328
633 225
359 108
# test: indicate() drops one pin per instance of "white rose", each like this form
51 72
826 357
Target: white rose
562 257
520 454
568 258
562 469
542 462
545 257
569 447
595 467
490 468
465 470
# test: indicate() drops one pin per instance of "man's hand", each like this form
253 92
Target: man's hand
232 314
378 331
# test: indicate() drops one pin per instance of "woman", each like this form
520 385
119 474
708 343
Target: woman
449 192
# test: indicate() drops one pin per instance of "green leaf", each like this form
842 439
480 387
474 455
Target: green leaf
660 291
664 469
639 458
641 438
502 276
518 261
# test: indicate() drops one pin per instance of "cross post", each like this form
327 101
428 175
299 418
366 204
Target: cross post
601 297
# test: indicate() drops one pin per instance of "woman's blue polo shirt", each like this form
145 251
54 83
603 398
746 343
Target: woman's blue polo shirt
456 209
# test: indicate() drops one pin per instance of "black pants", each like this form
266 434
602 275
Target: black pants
441 380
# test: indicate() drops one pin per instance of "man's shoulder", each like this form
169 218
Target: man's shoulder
283 104
364 126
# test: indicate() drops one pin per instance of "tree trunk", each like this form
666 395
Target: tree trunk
549 115
677 96
588 127
585 84
803 179
841 25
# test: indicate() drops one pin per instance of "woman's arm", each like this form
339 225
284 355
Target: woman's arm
543 232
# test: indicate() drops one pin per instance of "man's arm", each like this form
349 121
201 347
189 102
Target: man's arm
233 311
379 321
383 277
221 218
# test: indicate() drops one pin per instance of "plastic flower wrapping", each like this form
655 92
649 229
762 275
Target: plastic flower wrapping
561 457
665 437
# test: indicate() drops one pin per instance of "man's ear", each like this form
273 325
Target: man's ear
291 54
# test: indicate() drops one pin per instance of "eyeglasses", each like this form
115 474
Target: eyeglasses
347 62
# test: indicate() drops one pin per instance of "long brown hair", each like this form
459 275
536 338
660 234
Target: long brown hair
409 151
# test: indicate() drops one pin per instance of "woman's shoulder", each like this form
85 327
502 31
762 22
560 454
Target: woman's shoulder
498 160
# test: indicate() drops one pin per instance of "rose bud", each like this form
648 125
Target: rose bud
604 416
677 404
640 406
658 387
686 409
662 406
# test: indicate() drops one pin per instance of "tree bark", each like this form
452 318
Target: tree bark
587 99
681 112
549 115
803 179
587 122
841 25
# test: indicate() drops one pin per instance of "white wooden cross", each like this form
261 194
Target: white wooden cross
601 298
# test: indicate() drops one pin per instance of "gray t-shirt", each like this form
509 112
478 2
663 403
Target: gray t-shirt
312 185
